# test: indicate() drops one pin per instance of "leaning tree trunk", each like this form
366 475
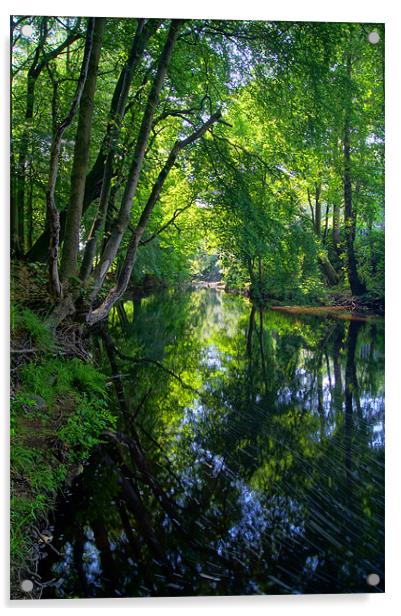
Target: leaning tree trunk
67 306
94 179
323 259
122 221
69 259
114 295
39 250
327 269
143 32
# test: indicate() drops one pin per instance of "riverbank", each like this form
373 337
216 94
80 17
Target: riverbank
340 303
59 405
338 312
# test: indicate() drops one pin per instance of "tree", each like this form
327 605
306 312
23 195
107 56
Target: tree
40 61
52 210
282 184
69 260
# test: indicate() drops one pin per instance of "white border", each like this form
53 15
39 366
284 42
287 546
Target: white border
302 10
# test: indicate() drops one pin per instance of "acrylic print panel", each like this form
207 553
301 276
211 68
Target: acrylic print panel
197 366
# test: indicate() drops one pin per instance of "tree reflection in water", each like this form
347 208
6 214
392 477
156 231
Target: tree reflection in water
249 456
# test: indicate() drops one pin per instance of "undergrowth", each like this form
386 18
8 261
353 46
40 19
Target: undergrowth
59 408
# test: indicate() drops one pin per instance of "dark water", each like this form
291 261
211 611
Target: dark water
256 457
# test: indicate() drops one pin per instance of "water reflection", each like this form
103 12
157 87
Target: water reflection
249 458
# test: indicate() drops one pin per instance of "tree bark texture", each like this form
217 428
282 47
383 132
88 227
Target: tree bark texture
142 35
357 288
95 176
336 227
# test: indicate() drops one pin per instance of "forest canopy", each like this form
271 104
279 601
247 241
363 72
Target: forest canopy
246 152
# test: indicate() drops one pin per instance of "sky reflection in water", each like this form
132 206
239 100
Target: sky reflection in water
265 432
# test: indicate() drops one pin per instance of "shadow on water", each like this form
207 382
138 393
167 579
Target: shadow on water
249 456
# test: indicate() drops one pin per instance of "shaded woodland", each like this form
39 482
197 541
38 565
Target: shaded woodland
150 147
197 258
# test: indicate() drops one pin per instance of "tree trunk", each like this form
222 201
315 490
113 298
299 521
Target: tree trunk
260 277
123 217
34 72
102 311
52 211
312 211
326 224
316 212
39 250
81 155
318 209
95 176
143 32
336 228
357 288
328 270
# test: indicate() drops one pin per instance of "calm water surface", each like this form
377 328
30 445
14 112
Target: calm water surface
251 457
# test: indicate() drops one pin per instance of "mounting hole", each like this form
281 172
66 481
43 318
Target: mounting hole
373 37
27 585
373 579
27 30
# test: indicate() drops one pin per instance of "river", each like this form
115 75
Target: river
258 457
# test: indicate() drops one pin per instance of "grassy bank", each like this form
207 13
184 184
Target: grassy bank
60 404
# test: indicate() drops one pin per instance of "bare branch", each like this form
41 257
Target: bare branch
167 224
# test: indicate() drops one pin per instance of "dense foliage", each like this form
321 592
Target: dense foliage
256 146
154 153
59 409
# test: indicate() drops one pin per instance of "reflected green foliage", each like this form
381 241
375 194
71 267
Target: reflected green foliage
265 433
